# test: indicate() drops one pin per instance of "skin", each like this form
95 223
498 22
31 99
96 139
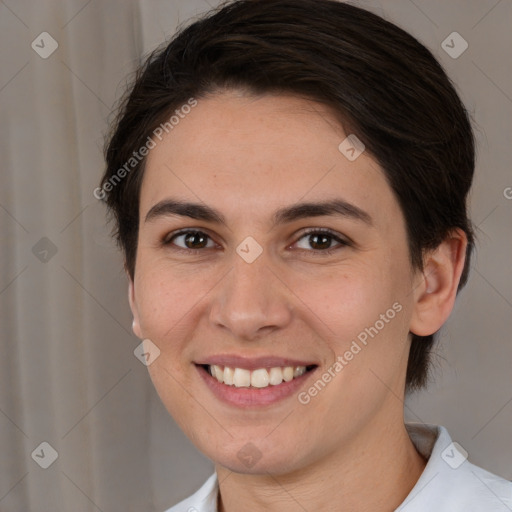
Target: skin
247 156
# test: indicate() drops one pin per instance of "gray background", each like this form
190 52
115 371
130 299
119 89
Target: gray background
68 375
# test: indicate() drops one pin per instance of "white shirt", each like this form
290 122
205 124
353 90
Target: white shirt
449 482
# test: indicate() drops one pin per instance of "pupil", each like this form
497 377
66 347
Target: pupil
325 241
189 239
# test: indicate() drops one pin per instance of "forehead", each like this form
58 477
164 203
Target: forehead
244 153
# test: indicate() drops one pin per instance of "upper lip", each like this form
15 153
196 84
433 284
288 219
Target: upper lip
252 363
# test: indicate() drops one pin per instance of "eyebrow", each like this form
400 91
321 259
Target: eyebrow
198 211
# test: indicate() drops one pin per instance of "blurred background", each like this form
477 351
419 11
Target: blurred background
73 396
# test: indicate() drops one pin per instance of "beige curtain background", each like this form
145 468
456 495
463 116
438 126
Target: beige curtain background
68 375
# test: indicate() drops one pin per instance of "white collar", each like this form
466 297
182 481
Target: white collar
449 482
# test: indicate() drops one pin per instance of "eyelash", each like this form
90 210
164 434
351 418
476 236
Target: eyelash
167 241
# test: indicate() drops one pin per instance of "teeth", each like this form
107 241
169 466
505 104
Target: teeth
218 372
288 373
276 376
260 378
298 371
228 376
242 378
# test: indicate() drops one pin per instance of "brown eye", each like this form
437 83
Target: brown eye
321 241
190 240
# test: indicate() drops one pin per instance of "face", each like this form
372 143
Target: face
251 282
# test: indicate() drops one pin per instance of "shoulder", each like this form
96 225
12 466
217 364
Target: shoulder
450 482
203 500
473 489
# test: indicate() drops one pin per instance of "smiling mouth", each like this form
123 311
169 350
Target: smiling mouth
257 378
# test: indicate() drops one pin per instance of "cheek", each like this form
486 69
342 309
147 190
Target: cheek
364 319
365 327
168 301
350 302
169 305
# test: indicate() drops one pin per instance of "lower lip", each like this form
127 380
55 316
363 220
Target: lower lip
251 397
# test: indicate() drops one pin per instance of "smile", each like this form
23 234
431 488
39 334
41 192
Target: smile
253 382
257 378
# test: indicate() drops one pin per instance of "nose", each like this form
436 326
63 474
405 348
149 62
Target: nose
251 301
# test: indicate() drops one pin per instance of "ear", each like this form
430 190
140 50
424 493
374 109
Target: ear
133 306
436 286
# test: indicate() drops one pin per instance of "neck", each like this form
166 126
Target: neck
375 472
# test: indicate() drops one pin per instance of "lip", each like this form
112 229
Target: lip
252 363
245 397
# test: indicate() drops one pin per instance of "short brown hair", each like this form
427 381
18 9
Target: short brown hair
383 84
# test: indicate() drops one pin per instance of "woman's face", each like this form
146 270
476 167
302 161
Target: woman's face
261 289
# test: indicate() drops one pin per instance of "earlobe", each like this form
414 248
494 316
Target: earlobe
135 312
436 288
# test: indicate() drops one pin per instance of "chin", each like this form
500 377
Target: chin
253 457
